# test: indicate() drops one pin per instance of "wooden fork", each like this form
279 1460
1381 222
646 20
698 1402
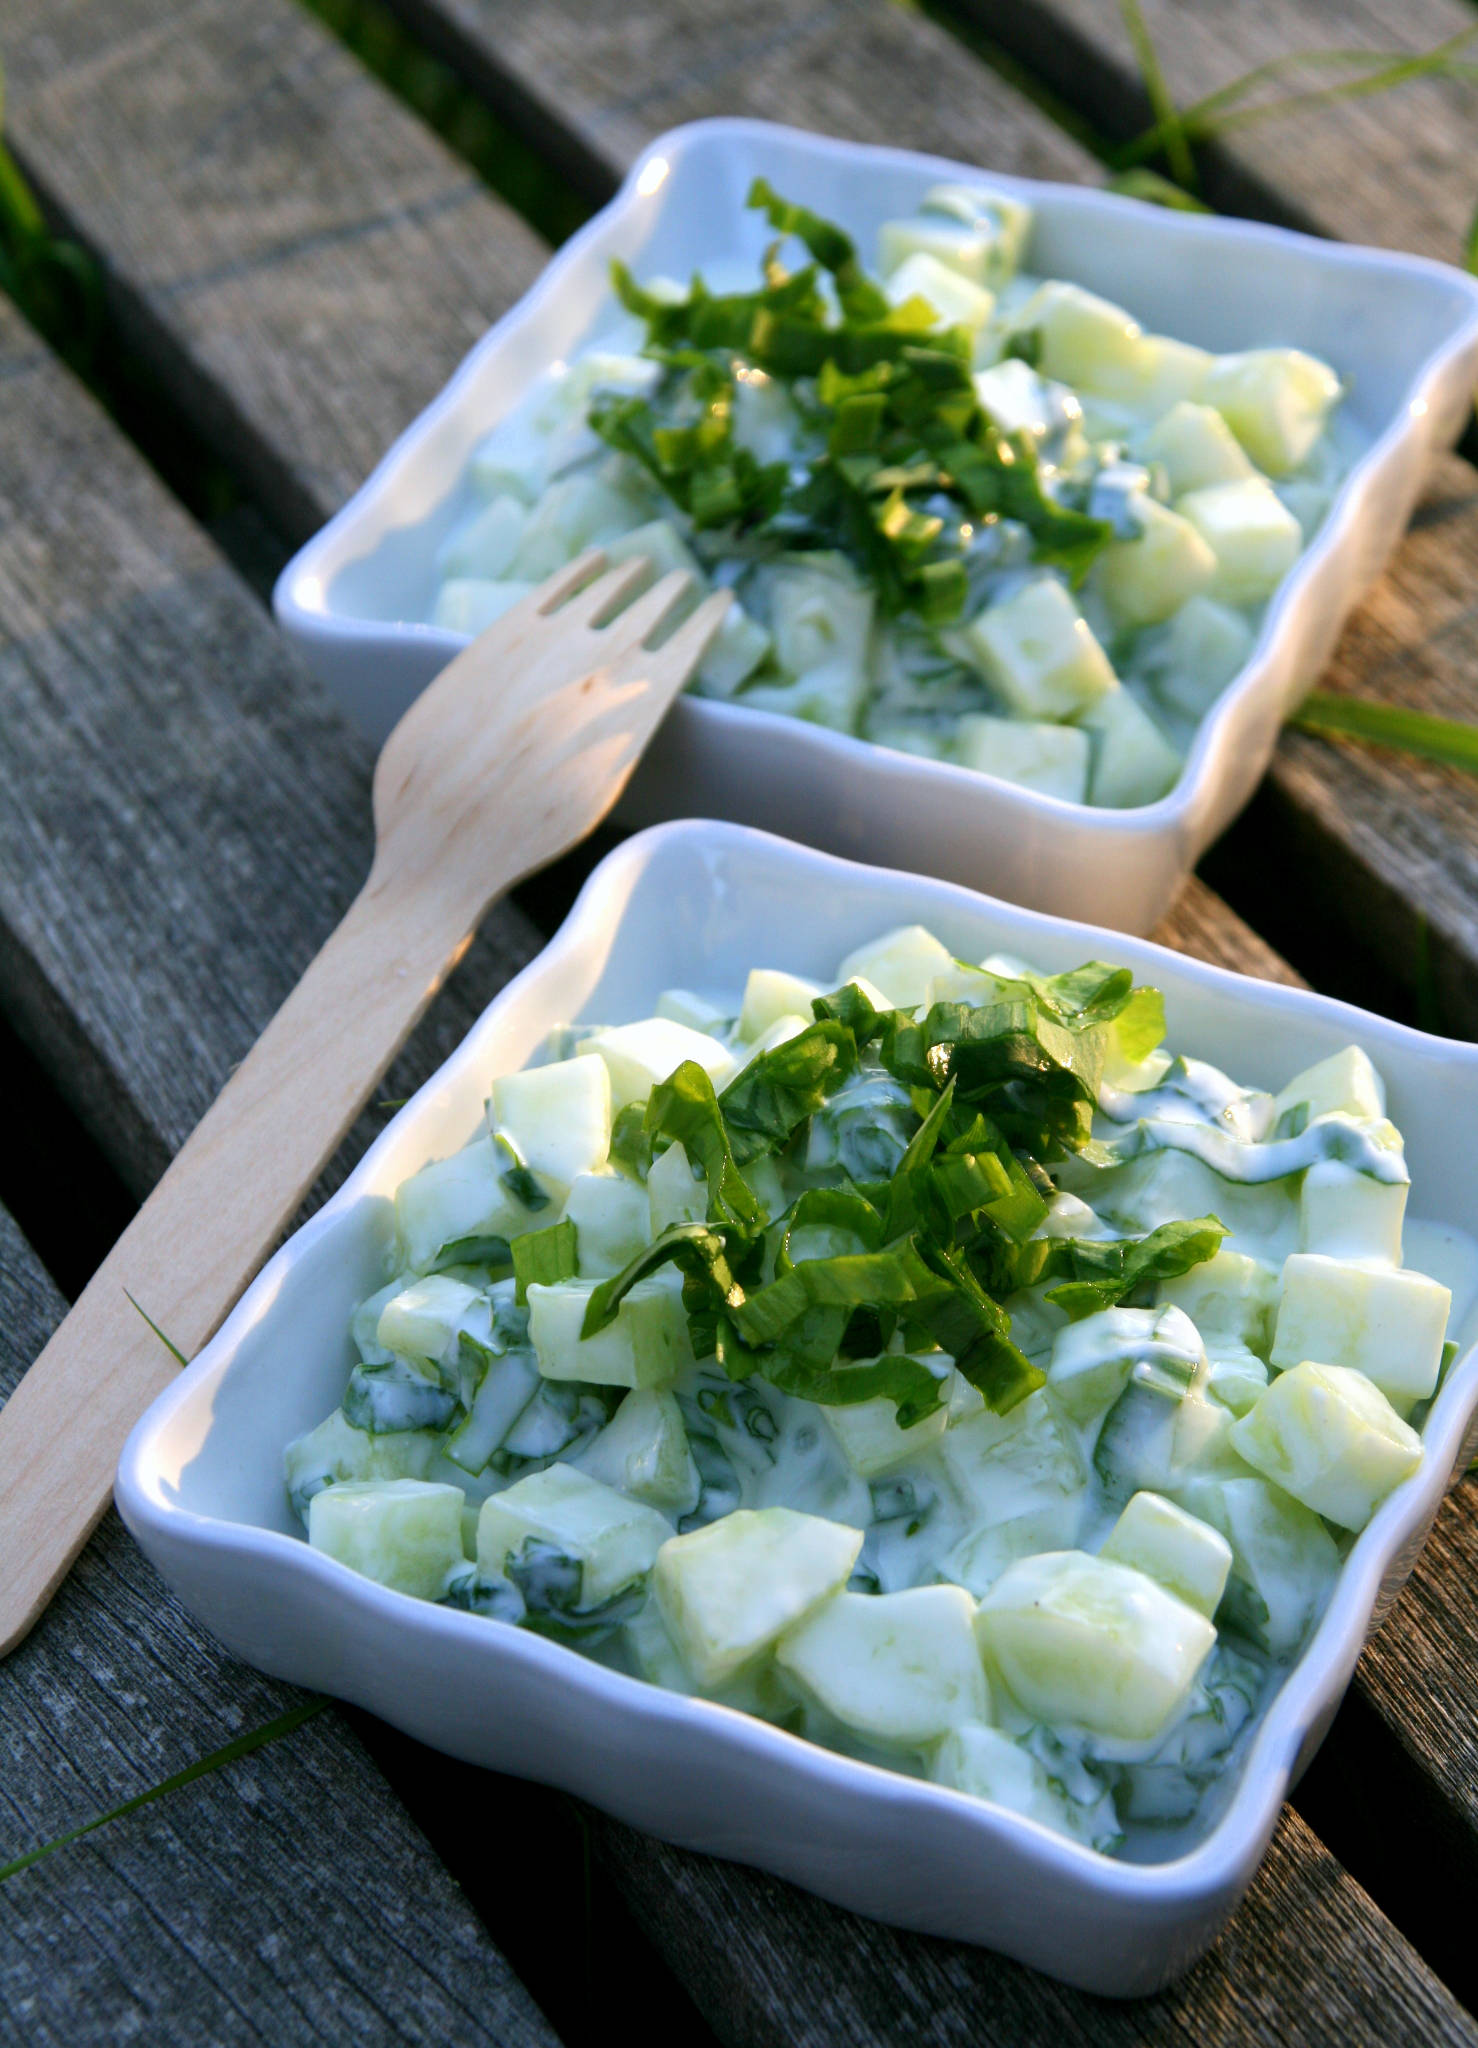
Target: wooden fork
515 752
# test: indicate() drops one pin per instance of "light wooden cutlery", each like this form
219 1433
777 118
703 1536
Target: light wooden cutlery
511 756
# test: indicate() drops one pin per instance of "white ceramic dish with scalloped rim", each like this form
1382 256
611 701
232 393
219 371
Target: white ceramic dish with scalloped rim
1403 330
695 904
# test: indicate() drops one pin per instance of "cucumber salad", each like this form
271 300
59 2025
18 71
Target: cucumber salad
928 1362
965 512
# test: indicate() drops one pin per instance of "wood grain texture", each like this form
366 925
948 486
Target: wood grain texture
1306 1959
183 817
593 83
286 1898
1199 923
1396 168
301 261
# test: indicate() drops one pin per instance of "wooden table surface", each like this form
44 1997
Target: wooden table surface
293 262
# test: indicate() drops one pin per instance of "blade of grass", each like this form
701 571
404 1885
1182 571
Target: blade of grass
232 1752
1217 112
173 1349
1167 118
1140 182
1470 246
1448 740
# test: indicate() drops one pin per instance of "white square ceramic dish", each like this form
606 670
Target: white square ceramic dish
1403 330
696 904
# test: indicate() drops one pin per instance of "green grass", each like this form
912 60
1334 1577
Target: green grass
229 1753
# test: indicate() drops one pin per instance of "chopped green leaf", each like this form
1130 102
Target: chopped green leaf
544 1257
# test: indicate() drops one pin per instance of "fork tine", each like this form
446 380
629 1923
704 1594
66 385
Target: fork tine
597 604
689 643
647 613
566 583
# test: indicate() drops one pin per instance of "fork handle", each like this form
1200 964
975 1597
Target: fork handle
217 1212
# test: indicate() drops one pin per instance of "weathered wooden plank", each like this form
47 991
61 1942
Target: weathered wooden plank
1395 168
300 259
285 1898
1307 1958
591 83
183 817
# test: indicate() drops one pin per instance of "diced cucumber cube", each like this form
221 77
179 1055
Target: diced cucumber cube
1133 762
1093 1357
646 1346
675 1194
651 1650
683 1007
955 299
1009 220
574 513
1019 1478
733 654
901 964
1275 400
665 550
1234 1375
1351 1215
610 1216
1230 1294
971 249
1331 1439
484 546
365 1321
1165 373
511 459
1051 758
471 604
1197 653
464 1196
336 1451
638 1056
1080 1639
818 617
506 1389
1284 1560
1187 1557
985 1551
930 742
1020 401
871 1440
1255 538
1039 652
789 1025
1344 1084
899 1669
614 1540
729 1590
988 1764
403 1533
1387 1323
1194 446
1085 341
765 419
771 993
558 1118
643 1451
1144 580
422 1321
833 695
567 396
